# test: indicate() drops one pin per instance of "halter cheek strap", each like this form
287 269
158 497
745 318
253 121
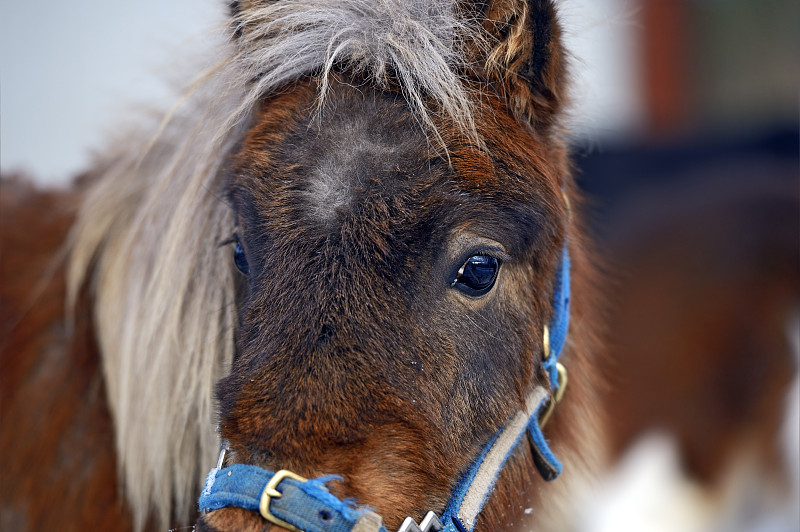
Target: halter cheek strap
301 505
477 484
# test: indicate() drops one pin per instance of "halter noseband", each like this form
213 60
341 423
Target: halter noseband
302 505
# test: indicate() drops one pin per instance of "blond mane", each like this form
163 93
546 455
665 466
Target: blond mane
147 240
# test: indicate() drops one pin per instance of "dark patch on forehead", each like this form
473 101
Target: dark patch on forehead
369 151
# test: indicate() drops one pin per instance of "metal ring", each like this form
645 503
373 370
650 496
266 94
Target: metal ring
546 341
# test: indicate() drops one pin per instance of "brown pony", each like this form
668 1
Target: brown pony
340 251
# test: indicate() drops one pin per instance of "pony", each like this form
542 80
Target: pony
338 254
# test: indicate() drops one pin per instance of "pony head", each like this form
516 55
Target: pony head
343 252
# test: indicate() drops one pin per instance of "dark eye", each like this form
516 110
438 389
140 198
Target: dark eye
477 276
239 257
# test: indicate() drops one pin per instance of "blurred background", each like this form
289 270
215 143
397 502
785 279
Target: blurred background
685 124
694 205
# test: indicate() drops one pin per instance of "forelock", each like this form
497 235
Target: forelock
415 46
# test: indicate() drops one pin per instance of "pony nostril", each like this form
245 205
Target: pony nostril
325 335
325 516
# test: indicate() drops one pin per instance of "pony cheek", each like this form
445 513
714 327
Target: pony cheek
233 520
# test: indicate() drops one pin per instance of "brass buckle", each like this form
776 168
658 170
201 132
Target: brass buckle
546 342
562 378
551 403
271 492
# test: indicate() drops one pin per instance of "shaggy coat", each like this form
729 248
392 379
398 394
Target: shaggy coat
280 260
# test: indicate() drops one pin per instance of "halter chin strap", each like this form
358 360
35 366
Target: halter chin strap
301 505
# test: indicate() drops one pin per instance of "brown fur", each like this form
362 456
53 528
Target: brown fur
56 427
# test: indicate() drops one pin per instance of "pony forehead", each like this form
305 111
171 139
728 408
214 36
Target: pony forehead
365 145
375 179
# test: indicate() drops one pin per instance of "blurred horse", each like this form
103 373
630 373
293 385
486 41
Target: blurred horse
704 240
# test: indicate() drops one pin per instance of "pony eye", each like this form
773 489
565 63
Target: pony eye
478 275
239 257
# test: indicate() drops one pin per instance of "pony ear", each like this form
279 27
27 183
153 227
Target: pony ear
523 58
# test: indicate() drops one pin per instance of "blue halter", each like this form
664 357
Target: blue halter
306 505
